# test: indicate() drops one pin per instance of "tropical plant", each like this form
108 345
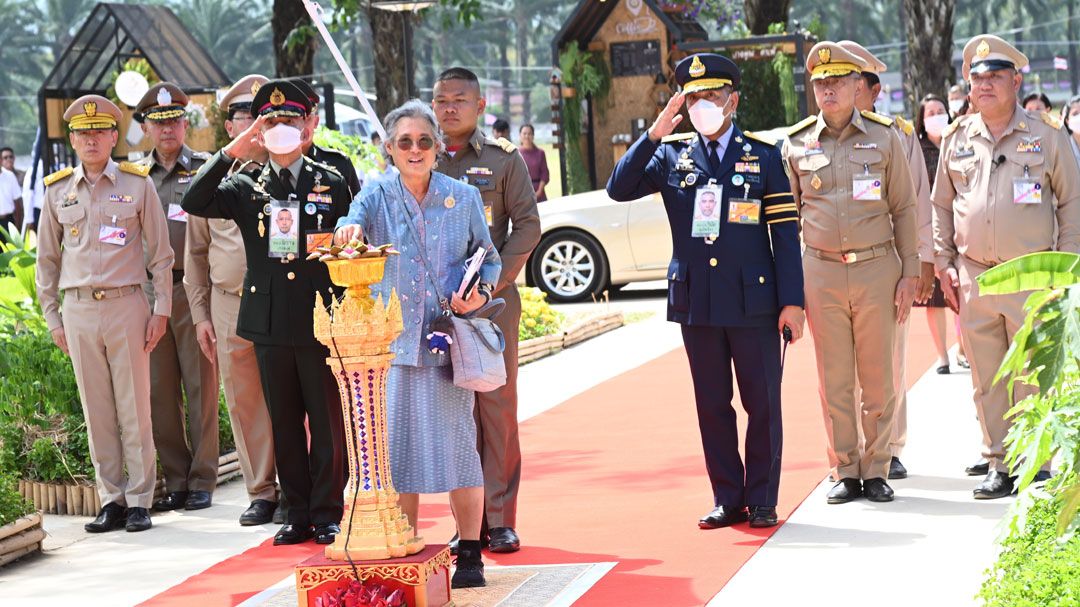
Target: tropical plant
12 504
363 154
587 73
1045 353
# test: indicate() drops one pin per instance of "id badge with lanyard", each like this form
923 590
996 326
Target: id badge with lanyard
1027 189
284 217
866 187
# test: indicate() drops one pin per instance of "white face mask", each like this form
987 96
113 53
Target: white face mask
1074 123
281 139
955 105
706 117
935 124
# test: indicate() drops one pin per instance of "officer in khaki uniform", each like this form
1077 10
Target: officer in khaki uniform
214 267
851 179
102 230
177 369
499 172
913 152
994 192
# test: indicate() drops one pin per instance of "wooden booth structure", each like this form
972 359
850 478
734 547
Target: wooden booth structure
113 37
640 43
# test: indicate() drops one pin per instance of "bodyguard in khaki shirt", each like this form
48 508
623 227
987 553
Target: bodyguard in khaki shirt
214 265
1000 172
857 202
864 101
102 229
499 172
177 369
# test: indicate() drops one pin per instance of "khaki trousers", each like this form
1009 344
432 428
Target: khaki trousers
497 426
107 339
899 433
178 368
244 397
988 324
852 316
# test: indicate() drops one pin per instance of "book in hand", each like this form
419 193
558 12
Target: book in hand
472 273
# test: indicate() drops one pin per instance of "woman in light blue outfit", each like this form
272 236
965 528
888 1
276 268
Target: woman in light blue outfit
436 223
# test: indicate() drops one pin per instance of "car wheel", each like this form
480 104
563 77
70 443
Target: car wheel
569 266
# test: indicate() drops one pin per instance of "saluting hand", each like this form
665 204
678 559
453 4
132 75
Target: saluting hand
155 330
668 119
248 145
905 295
793 318
950 285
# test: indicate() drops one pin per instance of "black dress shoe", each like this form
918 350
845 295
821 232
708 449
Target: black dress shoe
326 532
723 516
844 491
197 500
763 516
897 469
112 516
503 539
877 490
453 543
172 501
281 513
292 534
943 370
995 485
259 512
468 570
138 519
979 468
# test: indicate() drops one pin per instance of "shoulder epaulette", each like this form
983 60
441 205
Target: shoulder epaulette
951 127
802 124
324 166
905 125
761 138
878 118
57 176
677 137
201 155
1052 120
505 144
142 170
332 151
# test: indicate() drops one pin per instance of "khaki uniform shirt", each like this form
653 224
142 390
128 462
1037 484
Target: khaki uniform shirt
71 254
499 172
171 185
921 179
822 183
974 212
215 257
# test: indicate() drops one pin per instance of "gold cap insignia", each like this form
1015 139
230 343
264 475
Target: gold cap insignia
982 50
824 55
697 68
255 86
277 97
90 108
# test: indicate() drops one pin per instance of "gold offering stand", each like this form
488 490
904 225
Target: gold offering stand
359 330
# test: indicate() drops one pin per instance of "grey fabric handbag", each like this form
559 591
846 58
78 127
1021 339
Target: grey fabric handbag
476 351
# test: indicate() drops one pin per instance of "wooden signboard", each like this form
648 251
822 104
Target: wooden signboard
637 58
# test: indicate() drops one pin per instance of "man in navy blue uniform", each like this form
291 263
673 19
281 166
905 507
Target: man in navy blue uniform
731 287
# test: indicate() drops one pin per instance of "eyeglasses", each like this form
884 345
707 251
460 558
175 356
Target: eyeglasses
425 143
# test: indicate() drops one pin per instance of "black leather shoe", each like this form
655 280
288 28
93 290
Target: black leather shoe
259 512
197 500
503 539
877 490
723 516
897 469
281 513
326 532
138 519
468 570
943 370
979 468
112 516
292 534
845 491
995 485
172 501
763 516
453 543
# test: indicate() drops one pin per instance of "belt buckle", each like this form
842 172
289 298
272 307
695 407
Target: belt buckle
849 257
99 294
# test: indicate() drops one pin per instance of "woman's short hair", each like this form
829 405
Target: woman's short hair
413 108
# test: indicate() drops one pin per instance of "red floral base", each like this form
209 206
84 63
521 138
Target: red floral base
420 580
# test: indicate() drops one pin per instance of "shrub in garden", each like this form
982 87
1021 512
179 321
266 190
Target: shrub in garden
538 318
12 504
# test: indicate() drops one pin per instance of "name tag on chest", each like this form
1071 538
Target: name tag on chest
114 235
176 213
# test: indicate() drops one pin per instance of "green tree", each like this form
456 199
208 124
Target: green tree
24 67
224 28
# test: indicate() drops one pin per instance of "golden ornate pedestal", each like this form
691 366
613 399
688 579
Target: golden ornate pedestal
359 331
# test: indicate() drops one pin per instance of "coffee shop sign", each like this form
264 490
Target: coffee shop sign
640 26
755 53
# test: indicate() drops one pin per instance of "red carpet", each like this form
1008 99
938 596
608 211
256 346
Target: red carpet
614 474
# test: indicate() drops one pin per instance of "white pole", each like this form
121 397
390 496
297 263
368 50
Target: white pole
315 12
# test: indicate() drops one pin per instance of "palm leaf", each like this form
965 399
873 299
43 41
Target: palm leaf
1047 270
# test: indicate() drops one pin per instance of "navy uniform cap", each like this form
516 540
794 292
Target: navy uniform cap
306 88
705 71
280 98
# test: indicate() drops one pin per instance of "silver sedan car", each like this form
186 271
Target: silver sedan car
589 243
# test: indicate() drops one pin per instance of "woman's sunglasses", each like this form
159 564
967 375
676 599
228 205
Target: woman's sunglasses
406 143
